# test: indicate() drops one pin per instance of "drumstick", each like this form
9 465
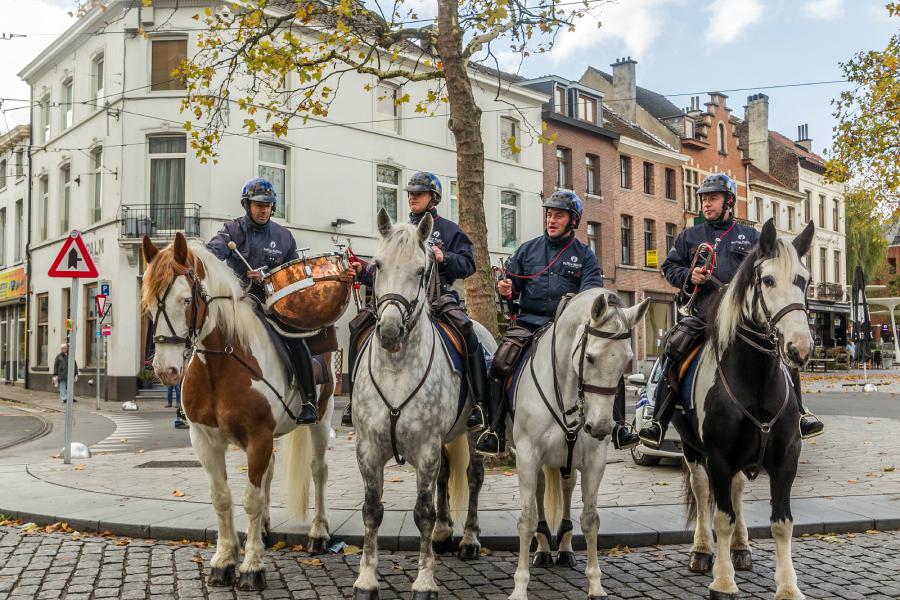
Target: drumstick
233 247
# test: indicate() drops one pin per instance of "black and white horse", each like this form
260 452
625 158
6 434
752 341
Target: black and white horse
746 414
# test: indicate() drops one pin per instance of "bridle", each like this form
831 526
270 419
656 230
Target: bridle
409 310
571 428
195 322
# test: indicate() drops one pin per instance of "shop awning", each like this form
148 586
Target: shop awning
830 307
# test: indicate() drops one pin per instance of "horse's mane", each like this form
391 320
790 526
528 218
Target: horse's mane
727 310
230 312
402 242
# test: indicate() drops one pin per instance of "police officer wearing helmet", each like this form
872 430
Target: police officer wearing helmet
732 242
265 245
455 259
539 274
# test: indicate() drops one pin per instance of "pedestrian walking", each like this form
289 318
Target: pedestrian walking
61 372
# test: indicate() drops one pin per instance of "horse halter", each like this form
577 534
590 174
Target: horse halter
198 294
774 334
409 310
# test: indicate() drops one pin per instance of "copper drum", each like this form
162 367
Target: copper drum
309 293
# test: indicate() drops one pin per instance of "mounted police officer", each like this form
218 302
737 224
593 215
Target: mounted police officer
455 259
265 245
732 241
539 274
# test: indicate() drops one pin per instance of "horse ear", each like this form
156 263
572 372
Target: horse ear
599 308
803 241
384 223
634 314
150 250
768 241
180 248
425 226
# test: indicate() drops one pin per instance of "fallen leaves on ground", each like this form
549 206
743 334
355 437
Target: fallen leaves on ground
297 548
278 546
311 562
889 469
395 480
177 493
485 551
81 467
349 550
197 559
617 551
123 440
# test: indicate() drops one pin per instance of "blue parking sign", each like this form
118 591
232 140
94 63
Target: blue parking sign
104 289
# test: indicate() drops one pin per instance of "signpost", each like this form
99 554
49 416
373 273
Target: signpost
100 299
73 261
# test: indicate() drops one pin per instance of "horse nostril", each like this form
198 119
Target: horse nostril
587 428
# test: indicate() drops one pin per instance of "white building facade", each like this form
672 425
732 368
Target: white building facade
110 158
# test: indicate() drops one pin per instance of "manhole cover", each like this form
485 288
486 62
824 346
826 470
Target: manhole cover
169 464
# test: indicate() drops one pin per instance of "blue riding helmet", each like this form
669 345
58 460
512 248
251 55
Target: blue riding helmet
719 182
426 182
258 190
569 201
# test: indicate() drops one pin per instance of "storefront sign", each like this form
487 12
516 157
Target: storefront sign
12 284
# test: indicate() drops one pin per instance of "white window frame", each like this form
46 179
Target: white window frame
381 122
561 108
282 204
66 103
591 175
96 188
44 210
98 79
505 151
776 218
453 201
173 220
376 184
20 229
45 118
65 198
4 166
583 102
691 185
516 210
174 37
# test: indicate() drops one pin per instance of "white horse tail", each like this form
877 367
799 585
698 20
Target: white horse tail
458 486
553 497
296 470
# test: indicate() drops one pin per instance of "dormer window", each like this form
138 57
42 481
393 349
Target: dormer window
560 99
688 128
587 109
723 148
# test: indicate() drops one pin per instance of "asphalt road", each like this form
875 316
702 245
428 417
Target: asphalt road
18 425
855 404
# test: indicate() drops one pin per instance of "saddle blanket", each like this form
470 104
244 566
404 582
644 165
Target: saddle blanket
512 380
320 369
689 380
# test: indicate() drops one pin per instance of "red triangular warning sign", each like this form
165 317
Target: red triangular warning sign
73 260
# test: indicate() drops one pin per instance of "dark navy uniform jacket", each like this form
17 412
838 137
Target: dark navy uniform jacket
459 256
733 248
576 270
268 245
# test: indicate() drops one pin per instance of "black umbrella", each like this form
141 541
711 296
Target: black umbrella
862 329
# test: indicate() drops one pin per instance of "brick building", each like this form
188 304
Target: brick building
630 180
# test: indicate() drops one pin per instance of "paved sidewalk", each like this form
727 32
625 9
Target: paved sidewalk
842 485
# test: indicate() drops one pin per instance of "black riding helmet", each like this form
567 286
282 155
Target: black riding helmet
719 182
566 200
426 182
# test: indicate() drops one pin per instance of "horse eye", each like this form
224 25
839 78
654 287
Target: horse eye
589 358
376 265
187 301
420 271
769 281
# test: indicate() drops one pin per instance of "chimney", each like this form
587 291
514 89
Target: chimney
757 115
803 137
624 93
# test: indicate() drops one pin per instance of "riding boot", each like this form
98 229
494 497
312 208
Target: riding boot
810 425
347 415
493 440
623 436
303 371
478 378
653 433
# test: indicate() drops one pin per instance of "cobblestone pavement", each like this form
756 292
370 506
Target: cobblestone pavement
59 565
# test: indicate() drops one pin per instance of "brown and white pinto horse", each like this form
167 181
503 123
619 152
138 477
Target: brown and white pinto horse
235 391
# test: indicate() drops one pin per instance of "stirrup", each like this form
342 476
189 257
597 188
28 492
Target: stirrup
314 407
624 430
489 432
477 412
816 433
654 443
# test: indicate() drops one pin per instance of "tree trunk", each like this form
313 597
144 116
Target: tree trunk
465 123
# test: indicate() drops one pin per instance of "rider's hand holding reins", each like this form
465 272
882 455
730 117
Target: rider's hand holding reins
438 254
255 275
700 275
504 287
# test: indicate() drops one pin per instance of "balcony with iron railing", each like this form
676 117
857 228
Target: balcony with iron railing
831 292
158 221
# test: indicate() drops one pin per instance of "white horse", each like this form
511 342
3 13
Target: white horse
405 406
235 391
563 415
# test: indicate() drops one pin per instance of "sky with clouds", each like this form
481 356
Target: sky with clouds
683 47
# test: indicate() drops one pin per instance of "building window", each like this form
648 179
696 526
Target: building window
587 109
167 158
837 266
648 178
670 184
626 240
835 215
454 201
649 239
658 320
273 161
807 207
560 99
592 179
776 209
509 219
387 190
20 230
563 168
20 163
96 183
43 321
822 212
670 237
823 258
98 88
45 119
90 335
723 148
2 236
387 110
166 56
65 197
790 223
67 105
3 166
44 199
593 236
691 185
509 137
758 202
625 172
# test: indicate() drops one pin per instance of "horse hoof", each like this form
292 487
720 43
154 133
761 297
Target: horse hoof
714 595
359 594
469 552
566 559
701 562
443 546
742 560
221 576
425 595
542 559
252 581
317 545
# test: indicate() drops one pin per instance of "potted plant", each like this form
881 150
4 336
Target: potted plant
146 378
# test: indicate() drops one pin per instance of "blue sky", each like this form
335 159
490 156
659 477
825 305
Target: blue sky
681 46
